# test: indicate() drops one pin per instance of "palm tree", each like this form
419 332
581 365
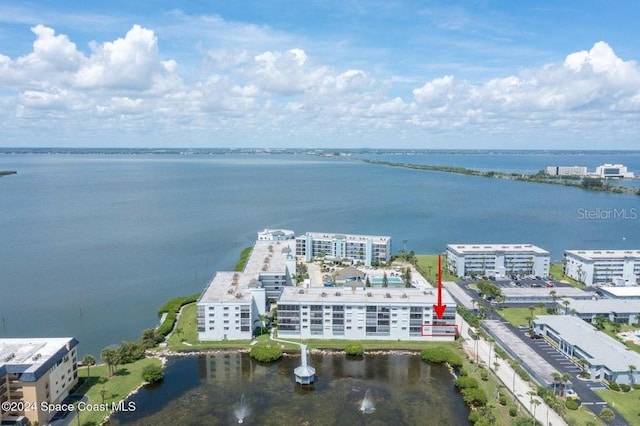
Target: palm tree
566 304
490 341
600 322
385 280
566 378
554 299
632 377
111 358
89 360
531 316
557 377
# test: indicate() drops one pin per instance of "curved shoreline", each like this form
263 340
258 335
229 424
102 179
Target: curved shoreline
506 176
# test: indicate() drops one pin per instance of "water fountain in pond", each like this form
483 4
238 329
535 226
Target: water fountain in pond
367 406
242 410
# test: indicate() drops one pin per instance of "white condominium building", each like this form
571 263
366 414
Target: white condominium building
35 372
621 267
231 305
567 171
365 313
497 259
365 248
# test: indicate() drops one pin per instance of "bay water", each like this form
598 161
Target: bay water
92 245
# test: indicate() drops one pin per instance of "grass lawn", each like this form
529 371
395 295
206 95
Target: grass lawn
128 378
556 271
623 327
518 316
428 267
625 403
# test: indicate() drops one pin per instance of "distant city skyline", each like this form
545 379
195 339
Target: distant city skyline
321 74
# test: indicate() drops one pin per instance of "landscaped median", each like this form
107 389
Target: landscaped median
107 392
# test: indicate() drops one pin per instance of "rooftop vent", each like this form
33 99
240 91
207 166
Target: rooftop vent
338 293
323 294
238 295
369 294
301 291
9 357
404 295
387 295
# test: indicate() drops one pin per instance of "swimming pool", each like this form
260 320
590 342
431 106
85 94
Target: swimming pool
391 280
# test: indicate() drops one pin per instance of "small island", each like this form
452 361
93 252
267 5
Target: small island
7 172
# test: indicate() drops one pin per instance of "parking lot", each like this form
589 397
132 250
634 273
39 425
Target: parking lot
523 282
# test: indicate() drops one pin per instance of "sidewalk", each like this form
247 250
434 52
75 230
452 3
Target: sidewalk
509 378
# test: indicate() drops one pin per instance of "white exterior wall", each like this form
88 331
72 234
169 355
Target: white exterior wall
496 261
593 267
319 323
223 320
61 377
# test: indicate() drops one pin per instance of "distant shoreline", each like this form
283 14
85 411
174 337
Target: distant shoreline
7 172
614 189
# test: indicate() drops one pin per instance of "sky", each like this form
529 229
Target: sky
441 74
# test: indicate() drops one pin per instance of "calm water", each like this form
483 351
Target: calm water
92 245
207 390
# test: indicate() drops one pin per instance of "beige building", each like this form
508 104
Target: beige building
33 374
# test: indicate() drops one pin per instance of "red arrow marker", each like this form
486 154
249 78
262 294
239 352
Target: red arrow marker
439 308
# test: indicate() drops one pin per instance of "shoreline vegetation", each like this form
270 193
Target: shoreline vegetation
176 336
588 183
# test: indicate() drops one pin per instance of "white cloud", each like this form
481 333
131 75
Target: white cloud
288 98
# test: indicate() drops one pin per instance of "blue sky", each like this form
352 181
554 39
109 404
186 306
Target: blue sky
406 74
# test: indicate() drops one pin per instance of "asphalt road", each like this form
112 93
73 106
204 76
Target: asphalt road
556 359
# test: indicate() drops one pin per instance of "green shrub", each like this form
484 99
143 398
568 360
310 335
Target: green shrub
513 411
484 375
441 354
354 350
152 373
475 397
503 400
612 385
463 372
572 404
474 416
171 308
266 352
625 388
244 257
465 382
607 414
636 386
129 352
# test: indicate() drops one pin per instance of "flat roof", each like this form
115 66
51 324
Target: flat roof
390 296
348 237
229 287
604 254
270 256
605 306
603 349
483 248
571 292
32 357
622 291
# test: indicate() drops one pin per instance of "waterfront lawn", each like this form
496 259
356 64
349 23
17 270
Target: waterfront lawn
556 271
185 329
517 316
428 266
128 378
624 403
